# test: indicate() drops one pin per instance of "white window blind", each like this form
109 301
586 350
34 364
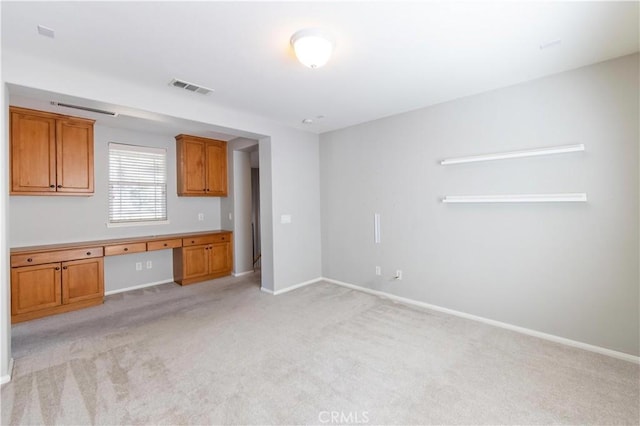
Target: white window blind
137 184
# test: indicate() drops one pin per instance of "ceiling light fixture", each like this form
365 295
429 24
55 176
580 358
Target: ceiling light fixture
312 46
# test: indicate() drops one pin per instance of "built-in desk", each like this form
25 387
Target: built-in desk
56 278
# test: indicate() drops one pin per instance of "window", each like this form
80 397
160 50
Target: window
137 185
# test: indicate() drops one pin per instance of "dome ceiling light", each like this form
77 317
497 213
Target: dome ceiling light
312 46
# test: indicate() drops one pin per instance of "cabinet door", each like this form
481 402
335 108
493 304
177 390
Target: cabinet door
216 156
221 258
35 287
195 262
191 167
33 158
74 149
82 279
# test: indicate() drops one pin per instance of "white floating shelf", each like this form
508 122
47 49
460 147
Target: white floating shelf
515 154
516 198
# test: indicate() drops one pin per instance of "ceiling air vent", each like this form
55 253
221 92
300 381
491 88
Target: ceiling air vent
83 108
181 84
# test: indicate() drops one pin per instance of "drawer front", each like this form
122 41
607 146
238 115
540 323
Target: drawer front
206 239
164 244
118 249
29 259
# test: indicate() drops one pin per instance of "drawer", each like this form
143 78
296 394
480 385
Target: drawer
164 244
117 249
206 239
28 259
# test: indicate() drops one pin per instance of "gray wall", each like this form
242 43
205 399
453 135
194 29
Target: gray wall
566 269
45 220
242 258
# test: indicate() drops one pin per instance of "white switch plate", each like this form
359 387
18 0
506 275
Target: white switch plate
378 270
200 216
398 275
285 218
149 264
138 266
230 216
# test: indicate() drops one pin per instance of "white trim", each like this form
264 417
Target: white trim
137 287
296 286
516 198
515 154
293 287
550 337
239 274
136 223
7 377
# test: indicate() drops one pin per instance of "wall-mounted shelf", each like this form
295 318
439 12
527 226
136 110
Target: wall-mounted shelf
516 198
515 154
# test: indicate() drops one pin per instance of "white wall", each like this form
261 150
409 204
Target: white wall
289 267
5 295
570 270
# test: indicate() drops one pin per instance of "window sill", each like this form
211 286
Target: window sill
127 224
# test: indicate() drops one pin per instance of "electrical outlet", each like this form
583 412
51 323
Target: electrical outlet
149 264
201 216
378 270
398 275
138 266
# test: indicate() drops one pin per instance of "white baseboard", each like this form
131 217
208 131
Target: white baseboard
136 287
239 274
7 377
295 286
290 288
527 331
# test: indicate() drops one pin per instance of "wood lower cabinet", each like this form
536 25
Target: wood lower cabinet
52 288
203 258
50 154
201 166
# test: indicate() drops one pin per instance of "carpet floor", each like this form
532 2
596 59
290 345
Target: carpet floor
223 352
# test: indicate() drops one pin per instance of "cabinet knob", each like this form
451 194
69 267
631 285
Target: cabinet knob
126 249
88 253
165 244
57 268
52 186
222 238
64 267
192 242
59 186
29 260
208 190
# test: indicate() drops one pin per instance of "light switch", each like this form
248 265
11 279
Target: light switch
285 218
201 216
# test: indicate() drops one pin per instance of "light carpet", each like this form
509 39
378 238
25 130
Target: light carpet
223 352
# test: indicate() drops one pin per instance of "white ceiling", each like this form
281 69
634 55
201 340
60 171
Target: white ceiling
390 57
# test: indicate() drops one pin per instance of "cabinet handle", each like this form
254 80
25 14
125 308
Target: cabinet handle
192 241
126 249
88 253
29 260
208 190
59 186
165 244
64 267
52 186
222 238
57 268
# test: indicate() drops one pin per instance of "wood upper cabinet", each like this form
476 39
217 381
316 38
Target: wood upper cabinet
201 166
50 154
